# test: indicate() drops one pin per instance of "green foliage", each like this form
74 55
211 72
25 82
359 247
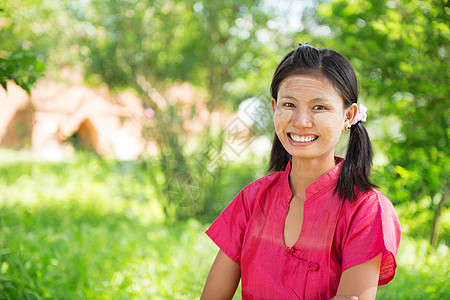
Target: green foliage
71 252
68 234
202 184
205 43
94 228
18 63
22 68
42 28
148 45
30 35
421 213
221 46
418 276
226 47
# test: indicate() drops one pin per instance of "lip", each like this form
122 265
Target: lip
298 143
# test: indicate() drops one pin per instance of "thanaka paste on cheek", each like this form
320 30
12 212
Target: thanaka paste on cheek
329 125
282 116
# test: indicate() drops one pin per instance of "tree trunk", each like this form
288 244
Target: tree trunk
435 227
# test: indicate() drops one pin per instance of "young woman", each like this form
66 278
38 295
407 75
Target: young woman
316 228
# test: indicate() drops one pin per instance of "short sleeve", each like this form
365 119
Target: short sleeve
228 230
373 229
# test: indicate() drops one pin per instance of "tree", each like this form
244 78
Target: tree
400 50
20 65
22 68
147 45
210 44
224 48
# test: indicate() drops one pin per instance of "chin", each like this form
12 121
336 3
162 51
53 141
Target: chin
310 154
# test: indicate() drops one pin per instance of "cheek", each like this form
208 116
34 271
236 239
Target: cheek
329 125
281 118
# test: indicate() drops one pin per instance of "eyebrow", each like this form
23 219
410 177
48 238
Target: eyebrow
318 99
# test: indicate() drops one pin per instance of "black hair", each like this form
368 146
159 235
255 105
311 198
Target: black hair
308 60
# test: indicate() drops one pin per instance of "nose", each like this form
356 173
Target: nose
301 119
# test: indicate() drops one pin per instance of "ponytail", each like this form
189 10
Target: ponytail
355 170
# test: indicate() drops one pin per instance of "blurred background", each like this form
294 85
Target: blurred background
127 126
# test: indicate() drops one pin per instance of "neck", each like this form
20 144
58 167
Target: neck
306 171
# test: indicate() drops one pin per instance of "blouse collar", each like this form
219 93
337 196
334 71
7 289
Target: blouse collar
328 179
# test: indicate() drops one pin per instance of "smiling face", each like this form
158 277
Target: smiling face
309 116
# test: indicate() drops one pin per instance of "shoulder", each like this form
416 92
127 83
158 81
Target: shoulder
369 201
261 190
372 213
263 184
371 216
378 207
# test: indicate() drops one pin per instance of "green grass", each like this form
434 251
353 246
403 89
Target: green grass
68 253
93 229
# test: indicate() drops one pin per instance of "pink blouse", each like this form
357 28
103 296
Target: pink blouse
335 236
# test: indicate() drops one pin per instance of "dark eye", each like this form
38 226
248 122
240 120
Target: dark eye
319 107
289 104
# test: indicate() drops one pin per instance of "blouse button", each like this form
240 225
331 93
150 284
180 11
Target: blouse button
313 267
290 250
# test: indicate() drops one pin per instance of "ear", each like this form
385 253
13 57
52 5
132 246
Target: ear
273 102
350 115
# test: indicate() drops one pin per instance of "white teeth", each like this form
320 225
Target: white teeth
302 139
